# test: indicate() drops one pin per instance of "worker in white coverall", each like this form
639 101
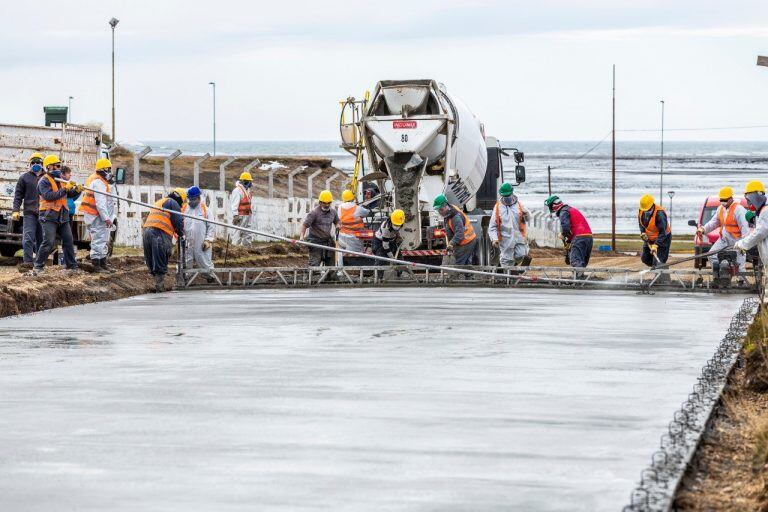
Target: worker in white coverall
198 233
240 203
99 214
731 218
755 196
351 215
507 228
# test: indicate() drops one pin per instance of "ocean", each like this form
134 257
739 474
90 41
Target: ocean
580 172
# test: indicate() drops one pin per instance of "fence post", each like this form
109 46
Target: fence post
222 173
290 179
310 179
329 180
167 168
137 164
196 175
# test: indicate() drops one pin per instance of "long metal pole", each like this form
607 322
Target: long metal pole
114 134
69 110
214 117
613 164
549 179
661 162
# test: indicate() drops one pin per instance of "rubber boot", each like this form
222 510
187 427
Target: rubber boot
159 283
526 261
106 266
96 264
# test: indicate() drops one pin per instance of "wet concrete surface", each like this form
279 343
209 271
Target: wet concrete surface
374 399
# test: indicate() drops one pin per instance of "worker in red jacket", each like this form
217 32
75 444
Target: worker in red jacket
575 231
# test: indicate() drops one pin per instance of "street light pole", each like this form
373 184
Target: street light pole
113 23
69 109
661 163
671 194
214 116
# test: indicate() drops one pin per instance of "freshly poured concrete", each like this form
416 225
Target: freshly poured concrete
369 399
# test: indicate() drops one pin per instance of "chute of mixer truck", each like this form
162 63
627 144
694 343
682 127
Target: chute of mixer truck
420 141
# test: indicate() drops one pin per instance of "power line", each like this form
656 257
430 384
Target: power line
749 127
585 153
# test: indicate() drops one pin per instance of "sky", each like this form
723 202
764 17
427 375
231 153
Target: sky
529 70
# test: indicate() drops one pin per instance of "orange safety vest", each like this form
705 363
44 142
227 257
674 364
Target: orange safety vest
349 223
244 208
523 229
88 204
160 219
728 222
469 231
56 205
205 210
651 230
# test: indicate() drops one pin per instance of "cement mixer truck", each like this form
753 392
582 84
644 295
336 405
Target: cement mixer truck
419 141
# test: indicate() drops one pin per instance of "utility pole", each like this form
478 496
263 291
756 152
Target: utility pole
661 163
214 116
613 163
549 179
113 23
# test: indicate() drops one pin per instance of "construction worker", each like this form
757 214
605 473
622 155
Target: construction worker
99 214
507 228
387 239
351 216
655 231
461 237
731 218
160 228
754 193
321 222
54 215
198 233
26 194
240 202
575 232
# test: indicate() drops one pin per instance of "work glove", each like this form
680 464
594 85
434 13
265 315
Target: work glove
700 230
16 216
70 185
654 248
495 244
390 255
739 247
206 245
644 237
449 248
108 222
79 189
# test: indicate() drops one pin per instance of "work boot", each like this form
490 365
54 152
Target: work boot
159 283
106 266
36 271
96 264
25 267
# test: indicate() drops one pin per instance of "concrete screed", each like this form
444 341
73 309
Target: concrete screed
346 399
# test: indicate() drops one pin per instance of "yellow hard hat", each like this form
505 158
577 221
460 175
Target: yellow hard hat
246 176
325 196
182 194
397 217
726 193
51 160
347 195
103 163
754 186
646 202
36 155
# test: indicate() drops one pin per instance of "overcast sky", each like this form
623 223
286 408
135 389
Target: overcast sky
529 70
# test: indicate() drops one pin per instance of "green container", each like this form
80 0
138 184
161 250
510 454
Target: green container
55 115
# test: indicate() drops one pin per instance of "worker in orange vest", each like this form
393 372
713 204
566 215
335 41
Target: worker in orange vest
461 236
731 218
655 231
240 203
507 229
160 228
351 224
99 214
54 215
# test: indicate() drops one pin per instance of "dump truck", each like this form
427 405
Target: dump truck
77 146
419 141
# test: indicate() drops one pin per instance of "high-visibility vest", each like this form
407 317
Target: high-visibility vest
244 208
88 203
651 230
350 224
160 219
202 205
469 231
521 222
56 205
728 221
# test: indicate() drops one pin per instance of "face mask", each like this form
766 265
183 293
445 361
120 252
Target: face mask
325 208
106 175
194 203
396 228
247 184
56 173
509 200
37 168
755 199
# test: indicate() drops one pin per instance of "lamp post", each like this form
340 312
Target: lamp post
661 163
671 194
214 116
113 23
69 109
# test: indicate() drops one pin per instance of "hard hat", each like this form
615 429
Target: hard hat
439 201
646 202
36 156
181 193
347 195
551 202
325 196
51 160
754 186
506 190
397 217
726 193
103 163
193 192
246 176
